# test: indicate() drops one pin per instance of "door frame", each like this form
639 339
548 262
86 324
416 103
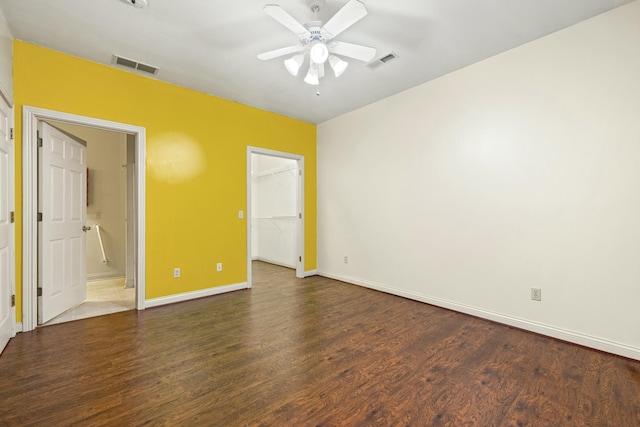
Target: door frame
31 116
299 250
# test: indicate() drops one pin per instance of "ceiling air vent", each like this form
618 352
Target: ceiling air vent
129 63
382 60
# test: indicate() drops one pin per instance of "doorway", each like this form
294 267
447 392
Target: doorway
32 116
275 222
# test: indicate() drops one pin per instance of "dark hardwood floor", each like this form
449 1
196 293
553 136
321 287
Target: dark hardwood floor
312 352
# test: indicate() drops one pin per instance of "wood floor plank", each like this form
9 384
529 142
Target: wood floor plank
308 352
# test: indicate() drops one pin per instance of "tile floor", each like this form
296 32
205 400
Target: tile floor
103 297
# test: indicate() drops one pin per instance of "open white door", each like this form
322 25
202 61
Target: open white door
6 323
62 200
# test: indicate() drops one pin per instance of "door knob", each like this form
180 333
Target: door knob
85 228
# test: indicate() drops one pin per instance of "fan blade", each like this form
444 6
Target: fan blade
350 13
280 15
355 51
280 52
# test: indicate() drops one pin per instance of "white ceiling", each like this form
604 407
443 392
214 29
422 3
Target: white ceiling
211 45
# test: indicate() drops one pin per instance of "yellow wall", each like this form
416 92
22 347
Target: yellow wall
196 162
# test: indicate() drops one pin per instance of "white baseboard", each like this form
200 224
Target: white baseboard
548 330
129 283
310 273
275 262
270 261
17 328
186 296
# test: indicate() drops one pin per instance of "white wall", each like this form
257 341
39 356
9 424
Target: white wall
517 172
274 206
106 155
6 57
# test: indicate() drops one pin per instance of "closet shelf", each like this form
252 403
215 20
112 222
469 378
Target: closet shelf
274 219
272 172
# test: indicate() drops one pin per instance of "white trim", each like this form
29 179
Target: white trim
274 262
540 328
12 230
186 296
310 273
30 116
300 202
17 328
12 208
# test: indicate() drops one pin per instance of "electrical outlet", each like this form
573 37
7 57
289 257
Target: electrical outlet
219 266
176 273
240 214
346 259
536 294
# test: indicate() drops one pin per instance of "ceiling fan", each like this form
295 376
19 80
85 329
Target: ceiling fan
319 42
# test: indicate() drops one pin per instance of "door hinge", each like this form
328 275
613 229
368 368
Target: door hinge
39 216
299 172
11 134
300 258
39 142
13 300
39 293
12 216
300 215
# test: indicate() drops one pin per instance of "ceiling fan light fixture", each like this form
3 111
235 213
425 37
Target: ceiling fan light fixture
312 76
318 39
319 52
294 63
337 65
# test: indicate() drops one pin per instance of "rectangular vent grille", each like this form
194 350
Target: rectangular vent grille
382 60
129 63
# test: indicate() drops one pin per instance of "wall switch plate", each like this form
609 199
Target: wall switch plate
536 294
219 266
176 273
346 259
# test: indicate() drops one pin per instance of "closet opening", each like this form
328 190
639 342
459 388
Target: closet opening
275 217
